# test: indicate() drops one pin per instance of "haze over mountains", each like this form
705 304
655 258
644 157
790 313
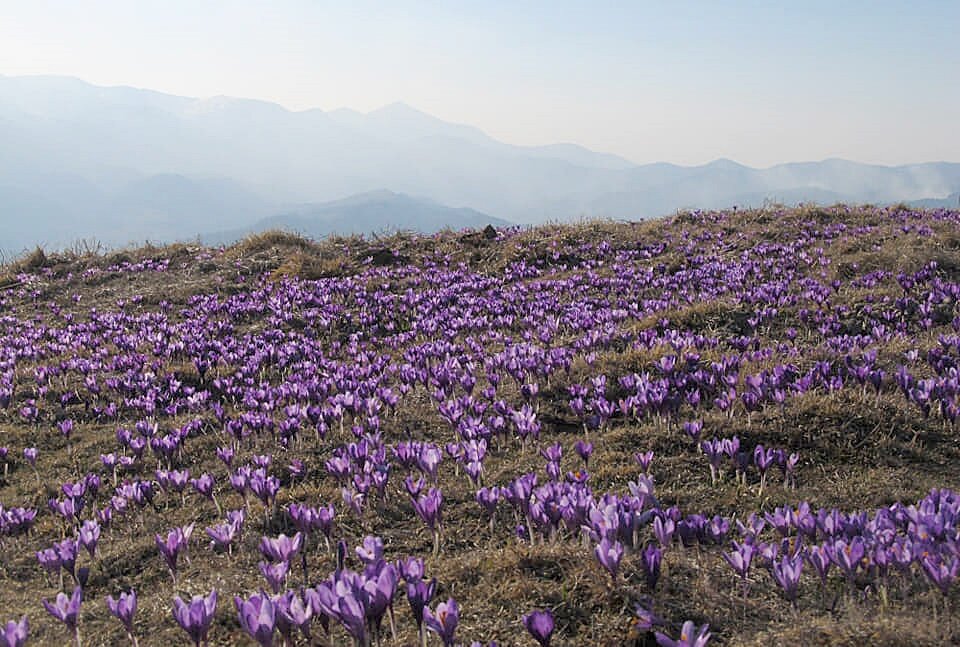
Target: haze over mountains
121 164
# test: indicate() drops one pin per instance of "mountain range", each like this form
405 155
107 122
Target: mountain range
122 164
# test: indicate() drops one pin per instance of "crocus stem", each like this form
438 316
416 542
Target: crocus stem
393 628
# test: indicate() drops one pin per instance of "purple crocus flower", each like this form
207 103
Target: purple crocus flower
848 555
15 633
275 573
296 468
324 520
67 610
379 586
540 625
337 598
644 459
552 453
819 558
652 558
693 429
787 574
67 553
257 617
690 636
411 569
170 549
419 595
663 529
293 611
584 450
644 620
124 609
281 549
789 467
609 553
941 571
353 500
65 427
429 460
89 535
371 551
195 618
204 486
225 454
222 536
414 488
713 450
443 621
763 458
429 507
739 558
488 497
49 560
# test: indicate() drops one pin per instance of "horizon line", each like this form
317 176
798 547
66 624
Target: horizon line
407 105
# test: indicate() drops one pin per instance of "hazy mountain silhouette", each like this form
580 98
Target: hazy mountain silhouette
952 201
372 212
122 164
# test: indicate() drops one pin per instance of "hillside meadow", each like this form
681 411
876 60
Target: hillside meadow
744 419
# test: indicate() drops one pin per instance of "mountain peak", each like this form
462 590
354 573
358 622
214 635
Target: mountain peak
725 164
398 108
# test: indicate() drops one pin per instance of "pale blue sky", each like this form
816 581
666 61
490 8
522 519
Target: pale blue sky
684 82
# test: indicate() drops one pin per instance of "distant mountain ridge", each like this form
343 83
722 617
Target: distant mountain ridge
952 201
81 161
372 212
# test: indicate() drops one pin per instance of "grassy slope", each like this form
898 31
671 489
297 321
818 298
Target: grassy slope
856 453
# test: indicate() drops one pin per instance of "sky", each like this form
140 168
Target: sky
684 82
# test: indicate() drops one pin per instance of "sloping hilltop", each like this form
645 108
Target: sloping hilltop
743 418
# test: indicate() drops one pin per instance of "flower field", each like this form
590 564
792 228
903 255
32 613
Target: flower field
727 427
